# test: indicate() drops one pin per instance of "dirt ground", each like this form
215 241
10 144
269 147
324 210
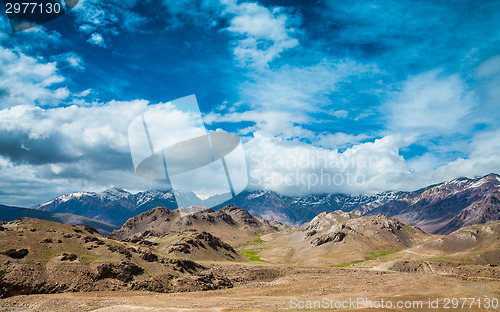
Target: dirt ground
263 287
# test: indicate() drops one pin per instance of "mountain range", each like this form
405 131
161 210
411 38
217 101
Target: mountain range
445 207
440 208
8 213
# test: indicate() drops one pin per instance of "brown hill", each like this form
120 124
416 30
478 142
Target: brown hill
340 237
193 245
478 244
47 257
231 224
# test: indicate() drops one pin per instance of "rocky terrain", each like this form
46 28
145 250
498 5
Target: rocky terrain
39 256
338 238
233 225
335 255
446 207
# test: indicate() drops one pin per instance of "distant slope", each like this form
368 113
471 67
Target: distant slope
8 213
193 245
445 207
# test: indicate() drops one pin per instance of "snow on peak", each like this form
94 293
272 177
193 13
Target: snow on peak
257 194
114 194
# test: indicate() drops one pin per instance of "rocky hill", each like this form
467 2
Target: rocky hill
339 237
38 256
477 243
233 225
445 207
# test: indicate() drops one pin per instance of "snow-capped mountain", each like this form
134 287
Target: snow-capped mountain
438 208
445 207
113 206
301 209
116 206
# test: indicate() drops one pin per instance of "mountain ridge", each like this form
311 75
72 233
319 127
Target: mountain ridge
9 213
116 206
445 207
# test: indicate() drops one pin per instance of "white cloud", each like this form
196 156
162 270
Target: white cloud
72 59
298 88
338 140
483 158
282 100
25 80
340 113
97 39
83 93
56 150
81 147
431 103
296 168
263 34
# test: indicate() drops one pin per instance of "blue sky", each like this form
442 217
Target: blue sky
414 85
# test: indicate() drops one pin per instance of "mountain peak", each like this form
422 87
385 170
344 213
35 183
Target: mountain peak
492 176
115 193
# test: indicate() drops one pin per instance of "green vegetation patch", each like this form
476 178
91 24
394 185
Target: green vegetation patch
343 265
373 256
258 240
252 255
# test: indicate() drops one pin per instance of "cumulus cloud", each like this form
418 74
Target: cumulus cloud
97 39
25 80
296 168
263 33
68 148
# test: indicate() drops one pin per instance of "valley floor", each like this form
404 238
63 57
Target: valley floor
264 287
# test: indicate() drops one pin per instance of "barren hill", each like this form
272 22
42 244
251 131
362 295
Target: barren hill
39 256
340 237
231 224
